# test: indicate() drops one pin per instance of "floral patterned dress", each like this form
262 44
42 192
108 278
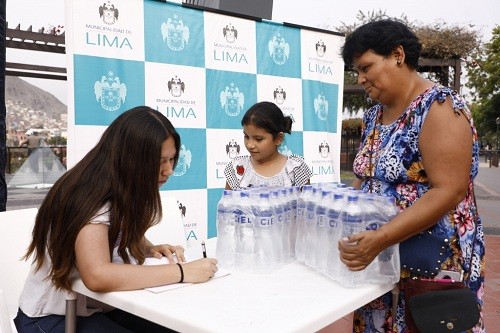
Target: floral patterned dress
389 162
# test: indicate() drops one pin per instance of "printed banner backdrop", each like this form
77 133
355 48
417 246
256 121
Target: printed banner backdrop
203 70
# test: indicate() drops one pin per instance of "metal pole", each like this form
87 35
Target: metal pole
70 316
498 123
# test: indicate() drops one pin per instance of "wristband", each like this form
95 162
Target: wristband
182 273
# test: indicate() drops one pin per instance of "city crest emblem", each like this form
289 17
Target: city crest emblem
283 149
324 149
320 48
230 33
279 95
232 100
184 162
233 149
321 107
279 49
175 33
176 86
110 92
108 13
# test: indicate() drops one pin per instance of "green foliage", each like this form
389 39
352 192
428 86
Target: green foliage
484 68
439 41
57 140
352 124
484 79
354 102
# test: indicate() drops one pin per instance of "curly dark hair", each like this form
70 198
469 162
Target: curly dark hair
382 37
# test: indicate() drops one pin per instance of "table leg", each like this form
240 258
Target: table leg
70 319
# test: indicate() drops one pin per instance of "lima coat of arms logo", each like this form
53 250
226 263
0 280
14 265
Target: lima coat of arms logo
176 86
324 149
283 149
321 107
110 92
279 49
320 48
230 33
175 33
279 95
232 100
233 149
108 13
184 162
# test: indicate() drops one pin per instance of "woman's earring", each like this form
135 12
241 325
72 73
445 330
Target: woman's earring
398 62
368 99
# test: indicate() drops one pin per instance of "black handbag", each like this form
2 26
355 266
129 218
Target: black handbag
423 253
449 311
440 306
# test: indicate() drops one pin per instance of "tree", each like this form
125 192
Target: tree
484 79
439 41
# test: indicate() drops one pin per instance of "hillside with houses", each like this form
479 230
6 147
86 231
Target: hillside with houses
31 110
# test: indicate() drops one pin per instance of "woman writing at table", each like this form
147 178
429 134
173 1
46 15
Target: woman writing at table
419 145
92 224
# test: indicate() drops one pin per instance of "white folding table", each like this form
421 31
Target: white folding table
294 298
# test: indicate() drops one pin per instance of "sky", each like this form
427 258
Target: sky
482 14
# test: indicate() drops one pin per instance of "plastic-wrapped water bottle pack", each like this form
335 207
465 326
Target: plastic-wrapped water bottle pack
261 229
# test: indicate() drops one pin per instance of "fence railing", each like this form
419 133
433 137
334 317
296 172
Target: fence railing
490 156
16 156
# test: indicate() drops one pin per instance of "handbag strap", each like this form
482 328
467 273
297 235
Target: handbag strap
371 172
474 236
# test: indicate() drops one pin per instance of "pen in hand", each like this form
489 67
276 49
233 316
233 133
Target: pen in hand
203 249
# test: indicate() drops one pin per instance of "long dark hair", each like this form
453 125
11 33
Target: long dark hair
268 116
120 173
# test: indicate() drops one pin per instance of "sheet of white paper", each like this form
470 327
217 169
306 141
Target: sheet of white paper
163 261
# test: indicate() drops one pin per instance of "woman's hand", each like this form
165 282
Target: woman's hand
167 250
200 270
360 249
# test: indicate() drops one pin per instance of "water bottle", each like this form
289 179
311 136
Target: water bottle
322 243
372 220
388 262
300 244
310 222
265 241
287 223
293 193
334 234
386 211
244 242
279 217
225 230
351 218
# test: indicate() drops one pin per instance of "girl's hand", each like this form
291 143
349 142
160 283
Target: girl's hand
200 270
167 250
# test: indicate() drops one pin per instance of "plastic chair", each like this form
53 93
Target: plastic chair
5 320
15 236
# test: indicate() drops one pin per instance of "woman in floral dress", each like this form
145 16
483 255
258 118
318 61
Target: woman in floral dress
419 145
